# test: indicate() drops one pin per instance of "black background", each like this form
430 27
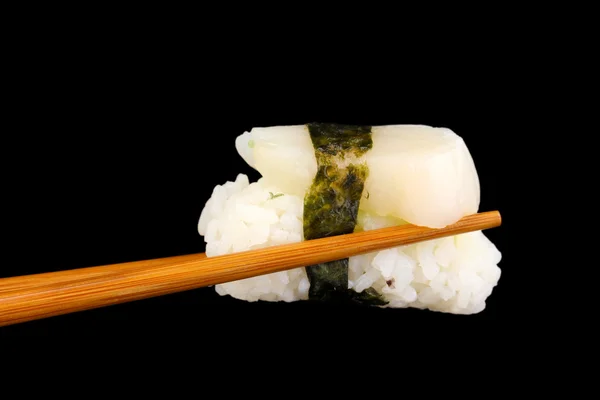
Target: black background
125 144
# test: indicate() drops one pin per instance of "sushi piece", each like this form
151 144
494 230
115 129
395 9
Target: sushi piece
320 180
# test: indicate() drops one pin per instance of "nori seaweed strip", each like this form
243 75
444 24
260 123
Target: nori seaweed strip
331 205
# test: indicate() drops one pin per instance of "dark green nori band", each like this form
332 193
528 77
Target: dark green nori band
331 206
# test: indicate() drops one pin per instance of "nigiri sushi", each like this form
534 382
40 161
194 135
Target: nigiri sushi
320 180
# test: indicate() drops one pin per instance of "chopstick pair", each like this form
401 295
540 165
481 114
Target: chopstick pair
30 297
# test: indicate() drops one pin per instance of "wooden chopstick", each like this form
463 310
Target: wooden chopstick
31 297
82 275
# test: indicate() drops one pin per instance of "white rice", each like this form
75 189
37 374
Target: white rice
454 274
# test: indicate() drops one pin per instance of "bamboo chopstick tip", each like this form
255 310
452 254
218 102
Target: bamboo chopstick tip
498 217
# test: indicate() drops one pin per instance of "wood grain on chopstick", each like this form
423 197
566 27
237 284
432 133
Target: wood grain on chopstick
82 275
44 295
